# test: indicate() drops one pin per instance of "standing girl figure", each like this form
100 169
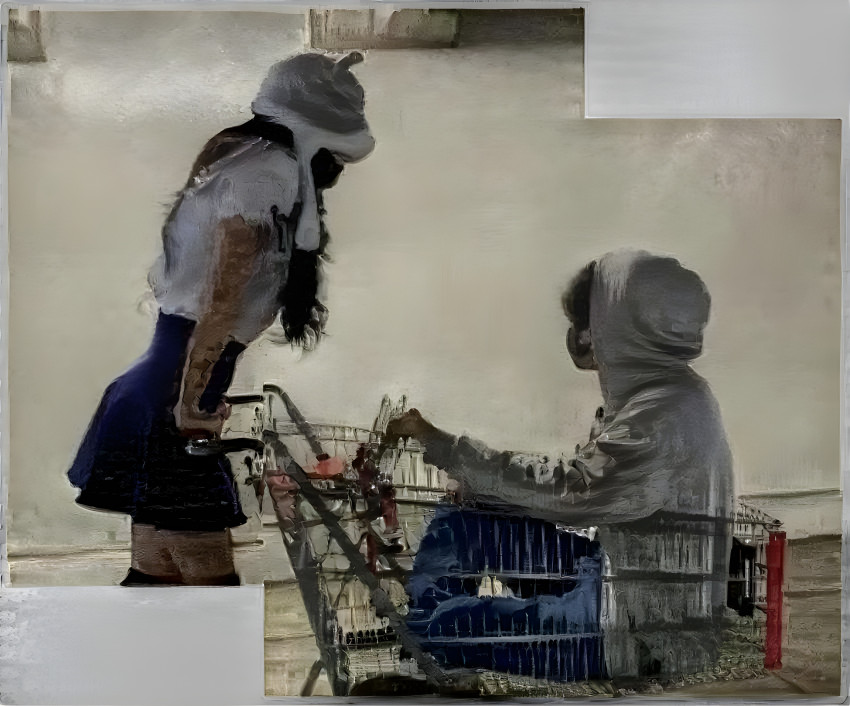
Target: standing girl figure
242 245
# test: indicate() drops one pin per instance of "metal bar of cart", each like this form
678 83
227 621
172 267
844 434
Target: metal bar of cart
380 599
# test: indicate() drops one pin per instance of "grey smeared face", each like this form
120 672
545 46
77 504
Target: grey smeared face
576 304
303 227
319 168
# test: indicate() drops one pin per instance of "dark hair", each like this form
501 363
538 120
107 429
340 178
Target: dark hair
576 298
302 315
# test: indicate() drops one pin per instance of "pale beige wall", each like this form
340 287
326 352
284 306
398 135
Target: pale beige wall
101 138
452 244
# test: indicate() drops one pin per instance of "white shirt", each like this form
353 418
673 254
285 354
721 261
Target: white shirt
252 179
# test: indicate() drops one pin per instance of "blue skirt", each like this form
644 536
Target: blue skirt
133 458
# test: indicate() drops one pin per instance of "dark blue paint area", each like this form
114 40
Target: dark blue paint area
220 377
133 458
545 622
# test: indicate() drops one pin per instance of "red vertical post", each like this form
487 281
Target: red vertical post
775 579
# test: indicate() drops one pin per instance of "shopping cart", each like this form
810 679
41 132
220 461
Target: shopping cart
390 611
409 592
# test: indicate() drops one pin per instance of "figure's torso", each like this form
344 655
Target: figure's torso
252 178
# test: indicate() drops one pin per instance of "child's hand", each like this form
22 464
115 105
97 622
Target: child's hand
196 424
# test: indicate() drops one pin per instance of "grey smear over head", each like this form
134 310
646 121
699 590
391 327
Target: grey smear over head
323 92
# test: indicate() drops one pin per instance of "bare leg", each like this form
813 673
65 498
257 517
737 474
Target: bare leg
202 558
150 559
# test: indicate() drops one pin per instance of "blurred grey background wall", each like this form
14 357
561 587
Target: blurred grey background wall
452 244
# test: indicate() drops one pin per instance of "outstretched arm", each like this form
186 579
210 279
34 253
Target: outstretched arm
611 476
481 469
238 246
439 444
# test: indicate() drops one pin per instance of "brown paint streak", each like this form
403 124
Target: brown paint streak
239 245
218 147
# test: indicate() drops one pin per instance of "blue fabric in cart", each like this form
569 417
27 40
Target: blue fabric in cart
508 594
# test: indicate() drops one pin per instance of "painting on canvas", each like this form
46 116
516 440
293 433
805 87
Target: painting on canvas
493 398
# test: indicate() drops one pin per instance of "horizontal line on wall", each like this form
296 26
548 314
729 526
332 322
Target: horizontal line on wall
790 493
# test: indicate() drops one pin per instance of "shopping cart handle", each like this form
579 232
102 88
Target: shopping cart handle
244 399
210 447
